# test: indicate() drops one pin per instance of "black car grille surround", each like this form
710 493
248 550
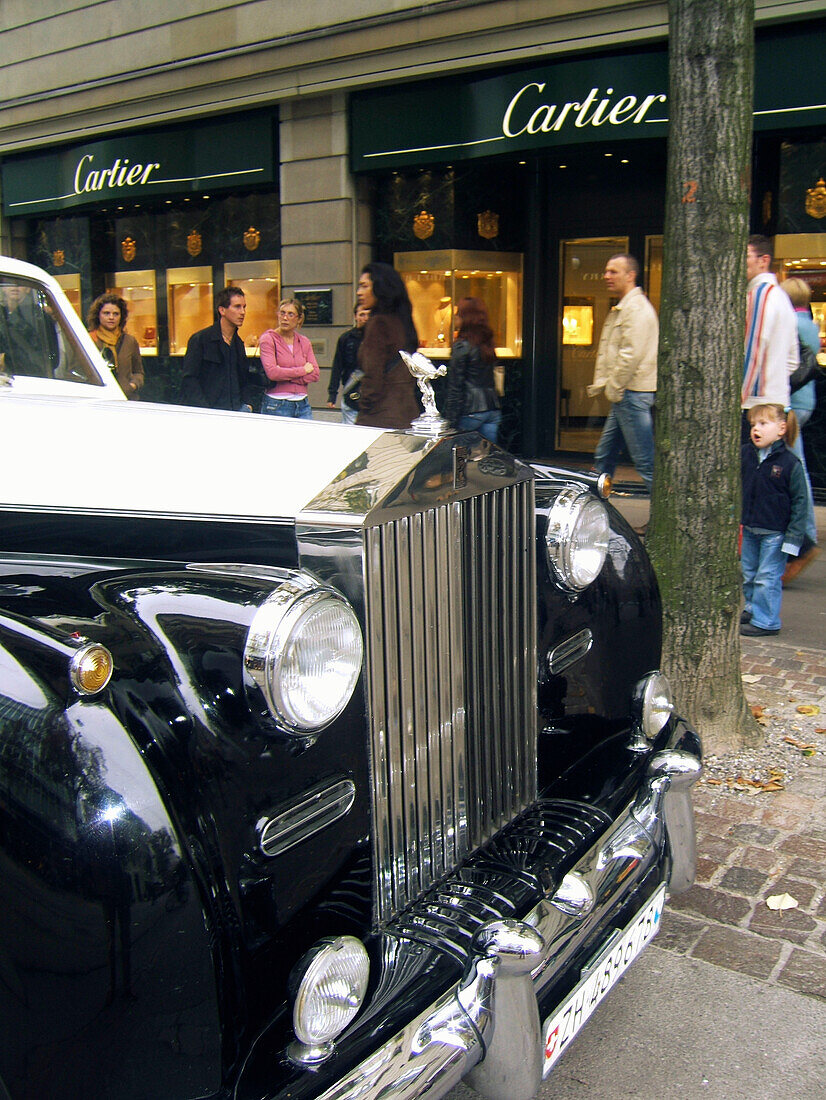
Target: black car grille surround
451 640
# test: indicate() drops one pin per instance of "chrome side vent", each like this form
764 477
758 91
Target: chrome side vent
453 703
570 651
309 814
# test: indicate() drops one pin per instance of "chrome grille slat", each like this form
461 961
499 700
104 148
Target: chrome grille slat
450 626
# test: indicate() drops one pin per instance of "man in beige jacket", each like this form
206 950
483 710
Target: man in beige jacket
626 369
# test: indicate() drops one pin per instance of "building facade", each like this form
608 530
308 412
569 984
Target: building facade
495 148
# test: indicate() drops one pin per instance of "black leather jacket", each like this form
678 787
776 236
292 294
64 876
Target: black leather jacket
470 387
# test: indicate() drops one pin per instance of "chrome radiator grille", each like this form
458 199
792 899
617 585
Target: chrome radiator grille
453 701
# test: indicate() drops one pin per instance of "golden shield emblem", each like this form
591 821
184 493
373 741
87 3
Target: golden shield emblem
58 257
194 243
816 200
423 225
252 239
487 225
128 249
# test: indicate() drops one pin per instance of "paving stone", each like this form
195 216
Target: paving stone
763 859
740 951
679 932
743 880
788 924
714 847
803 846
714 904
788 819
805 972
748 833
807 868
709 823
803 891
706 869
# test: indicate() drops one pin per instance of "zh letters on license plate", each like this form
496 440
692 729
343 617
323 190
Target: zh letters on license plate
599 977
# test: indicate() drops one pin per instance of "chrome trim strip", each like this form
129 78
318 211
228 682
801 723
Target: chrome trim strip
294 823
569 651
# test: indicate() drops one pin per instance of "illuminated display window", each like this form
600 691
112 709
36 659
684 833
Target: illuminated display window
189 300
260 281
137 288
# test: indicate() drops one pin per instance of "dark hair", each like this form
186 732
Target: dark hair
108 299
226 295
631 262
391 298
473 326
761 245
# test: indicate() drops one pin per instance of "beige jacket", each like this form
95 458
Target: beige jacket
627 353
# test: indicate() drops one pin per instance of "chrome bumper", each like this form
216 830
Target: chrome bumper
488 1028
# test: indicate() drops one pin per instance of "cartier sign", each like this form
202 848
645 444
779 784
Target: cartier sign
527 113
157 163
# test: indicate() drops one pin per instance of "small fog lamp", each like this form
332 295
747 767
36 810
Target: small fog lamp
331 982
90 668
652 703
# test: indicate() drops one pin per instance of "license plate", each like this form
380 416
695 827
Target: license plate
599 977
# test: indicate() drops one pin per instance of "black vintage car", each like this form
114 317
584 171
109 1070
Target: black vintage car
334 762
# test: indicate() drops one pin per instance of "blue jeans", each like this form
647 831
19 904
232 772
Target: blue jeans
485 423
803 416
348 415
275 406
763 562
629 420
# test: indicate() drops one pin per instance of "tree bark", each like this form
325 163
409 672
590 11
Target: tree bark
693 532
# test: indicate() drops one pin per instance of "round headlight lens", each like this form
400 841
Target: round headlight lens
654 695
304 650
331 990
577 537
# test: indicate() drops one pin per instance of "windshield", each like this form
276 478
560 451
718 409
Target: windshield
35 342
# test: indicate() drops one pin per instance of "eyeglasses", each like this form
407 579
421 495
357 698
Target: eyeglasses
287 313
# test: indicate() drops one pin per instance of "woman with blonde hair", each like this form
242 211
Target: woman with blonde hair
106 321
803 403
289 363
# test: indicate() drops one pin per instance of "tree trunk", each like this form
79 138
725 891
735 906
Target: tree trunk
696 498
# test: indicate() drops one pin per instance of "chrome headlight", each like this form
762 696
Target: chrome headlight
330 985
652 703
577 537
304 650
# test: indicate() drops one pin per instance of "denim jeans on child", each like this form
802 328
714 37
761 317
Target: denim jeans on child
763 562
630 420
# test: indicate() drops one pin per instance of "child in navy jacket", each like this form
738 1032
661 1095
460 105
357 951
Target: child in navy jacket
774 515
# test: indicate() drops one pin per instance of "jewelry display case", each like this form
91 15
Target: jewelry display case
71 288
435 282
137 288
260 281
189 300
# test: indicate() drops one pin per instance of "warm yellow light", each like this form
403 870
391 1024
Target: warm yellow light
91 668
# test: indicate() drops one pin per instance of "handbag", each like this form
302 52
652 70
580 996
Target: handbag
808 371
351 394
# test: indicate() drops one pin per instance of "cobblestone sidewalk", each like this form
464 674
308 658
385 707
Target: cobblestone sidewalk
755 844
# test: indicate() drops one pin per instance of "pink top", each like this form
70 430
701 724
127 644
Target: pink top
285 366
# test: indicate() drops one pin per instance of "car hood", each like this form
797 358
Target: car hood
116 457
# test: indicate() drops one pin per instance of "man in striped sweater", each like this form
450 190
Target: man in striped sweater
771 333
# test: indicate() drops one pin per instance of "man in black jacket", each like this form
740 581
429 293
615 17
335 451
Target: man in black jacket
216 372
345 363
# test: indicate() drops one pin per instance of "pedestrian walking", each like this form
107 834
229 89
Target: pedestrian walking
626 369
106 321
216 373
345 364
388 391
471 403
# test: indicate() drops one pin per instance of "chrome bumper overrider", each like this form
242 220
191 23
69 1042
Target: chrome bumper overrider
488 1028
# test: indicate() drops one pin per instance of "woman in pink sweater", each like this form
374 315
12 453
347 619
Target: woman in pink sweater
289 364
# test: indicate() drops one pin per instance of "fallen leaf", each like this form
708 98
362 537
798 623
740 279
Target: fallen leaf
750 678
809 709
715 782
757 710
800 744
770 788
779 902
820 729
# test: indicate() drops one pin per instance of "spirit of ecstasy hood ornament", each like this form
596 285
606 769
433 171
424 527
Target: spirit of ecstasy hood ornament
423 370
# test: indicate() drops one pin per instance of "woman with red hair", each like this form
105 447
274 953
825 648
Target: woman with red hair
471 403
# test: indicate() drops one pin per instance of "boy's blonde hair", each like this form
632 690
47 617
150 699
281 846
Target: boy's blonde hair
777 412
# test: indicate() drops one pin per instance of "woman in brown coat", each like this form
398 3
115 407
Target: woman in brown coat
106 321
388 390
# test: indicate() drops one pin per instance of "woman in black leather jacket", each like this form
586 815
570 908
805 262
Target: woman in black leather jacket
471 403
